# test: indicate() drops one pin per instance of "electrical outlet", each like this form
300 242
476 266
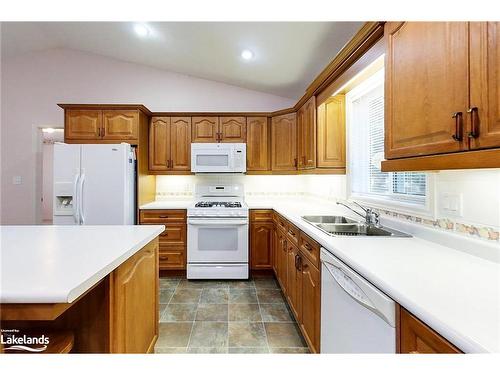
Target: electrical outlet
450 204
17 180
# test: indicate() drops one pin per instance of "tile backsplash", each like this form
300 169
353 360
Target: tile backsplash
479 191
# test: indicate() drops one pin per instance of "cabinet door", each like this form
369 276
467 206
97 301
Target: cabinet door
282 260
274 247
284 143
306 128
233 129
120 125
294 284
311 304
485 84
257 144
205 129
82 124
159 143
331 133
260 245
426 88
417 338
135 296
180 143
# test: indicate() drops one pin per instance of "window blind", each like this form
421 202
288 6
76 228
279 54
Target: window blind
366 145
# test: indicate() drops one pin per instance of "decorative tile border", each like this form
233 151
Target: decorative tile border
446 224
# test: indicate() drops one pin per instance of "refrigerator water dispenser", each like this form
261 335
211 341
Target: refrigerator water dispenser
63 202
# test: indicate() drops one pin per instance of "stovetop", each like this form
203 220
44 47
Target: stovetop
209 204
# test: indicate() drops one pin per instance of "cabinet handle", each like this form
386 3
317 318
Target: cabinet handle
295 162
103 131
474 133
99 132
291 233
307 246
299 263
458 126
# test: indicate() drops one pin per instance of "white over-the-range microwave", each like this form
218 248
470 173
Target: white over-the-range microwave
218 157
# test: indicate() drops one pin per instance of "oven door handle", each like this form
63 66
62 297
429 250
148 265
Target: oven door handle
217 222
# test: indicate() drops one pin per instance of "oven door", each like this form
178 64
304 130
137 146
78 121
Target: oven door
211 158
217 240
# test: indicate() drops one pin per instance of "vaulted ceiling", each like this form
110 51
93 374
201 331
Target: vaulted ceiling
287 56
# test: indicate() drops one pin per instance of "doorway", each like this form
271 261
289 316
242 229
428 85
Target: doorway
48 136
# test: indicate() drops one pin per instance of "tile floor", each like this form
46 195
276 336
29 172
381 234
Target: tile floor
226 317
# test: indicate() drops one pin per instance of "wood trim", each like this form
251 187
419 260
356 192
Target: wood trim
140 107
375 52
169 172
459 160
32 311
361 42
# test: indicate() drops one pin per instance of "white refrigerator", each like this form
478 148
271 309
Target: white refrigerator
94 184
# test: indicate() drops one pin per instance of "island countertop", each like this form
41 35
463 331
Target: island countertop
58 264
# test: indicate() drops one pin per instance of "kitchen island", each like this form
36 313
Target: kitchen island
100 283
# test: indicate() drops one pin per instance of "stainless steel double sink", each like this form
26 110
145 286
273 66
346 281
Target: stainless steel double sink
343 226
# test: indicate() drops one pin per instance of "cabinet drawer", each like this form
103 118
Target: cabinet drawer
171 259
261 215
282 224
418 338
162 216
173 235
309 248
293 234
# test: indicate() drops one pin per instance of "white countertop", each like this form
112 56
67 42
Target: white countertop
57 264
454 292
173 204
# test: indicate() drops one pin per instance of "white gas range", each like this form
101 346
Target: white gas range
217 246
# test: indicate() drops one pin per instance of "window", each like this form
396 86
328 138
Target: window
402 191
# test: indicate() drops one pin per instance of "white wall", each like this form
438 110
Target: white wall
32 85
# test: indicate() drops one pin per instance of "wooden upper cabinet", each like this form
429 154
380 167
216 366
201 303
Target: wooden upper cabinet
257 144
284 143
426 92
233 129
306 129
205 129
159 143
82 124
311 303
418 338
120 125
180 143
484 108
331 133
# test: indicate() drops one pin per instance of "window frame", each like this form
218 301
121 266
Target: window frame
383 202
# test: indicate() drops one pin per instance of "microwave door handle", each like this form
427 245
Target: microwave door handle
80 198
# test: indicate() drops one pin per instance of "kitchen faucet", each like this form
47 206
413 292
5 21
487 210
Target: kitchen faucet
371 217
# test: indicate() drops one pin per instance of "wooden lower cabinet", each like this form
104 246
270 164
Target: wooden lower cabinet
417 338
294 283
260 246
298 277
135 325
310 318
173 240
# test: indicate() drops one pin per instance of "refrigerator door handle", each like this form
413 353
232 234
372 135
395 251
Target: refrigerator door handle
80 199
76 201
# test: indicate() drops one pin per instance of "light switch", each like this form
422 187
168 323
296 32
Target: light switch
17 180
450 204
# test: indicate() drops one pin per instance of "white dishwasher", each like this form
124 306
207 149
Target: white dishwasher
356 317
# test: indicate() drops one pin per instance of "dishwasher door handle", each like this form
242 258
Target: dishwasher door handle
357 293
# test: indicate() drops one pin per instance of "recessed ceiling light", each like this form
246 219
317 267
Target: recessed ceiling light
246 54
141 30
